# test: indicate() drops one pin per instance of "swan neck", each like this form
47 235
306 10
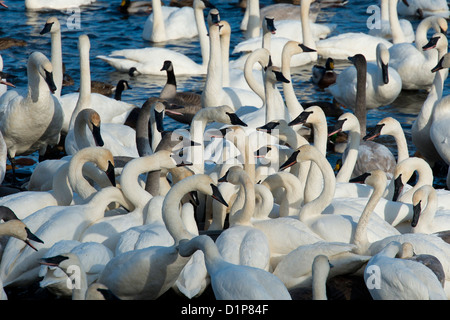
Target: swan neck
159 28
57 61
346 171
396 30
308 39
202 34
243 216
294 107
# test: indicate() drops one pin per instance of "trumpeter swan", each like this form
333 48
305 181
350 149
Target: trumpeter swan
421 8
404 31
426 218
39 111
92 256
420 130
412 63
400 279
171 23
383 82
252 243
109 109
20 266
231 281
124 273
55 4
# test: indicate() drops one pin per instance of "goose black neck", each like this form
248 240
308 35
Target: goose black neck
171 77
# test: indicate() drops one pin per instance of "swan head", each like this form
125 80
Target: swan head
93 121
269 25
84 42
40 62
438 40
376 178
63 261
383 61
213 17
443 63
313 114
274 75
17 229
268 127
52 25
203 4
290 161
346 122
386 126
232 175
418 197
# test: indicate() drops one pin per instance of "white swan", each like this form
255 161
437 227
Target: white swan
404 31
171 23
426 218
53 26
241 243
344 221
420 130
124 273
38 110
214 93
383 82
391 126
412 63
231 281
423 8
149 60
55 4
109 109
295 269
390 278
92 258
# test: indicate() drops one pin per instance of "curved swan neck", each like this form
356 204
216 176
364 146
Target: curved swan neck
102 198
294 107
261 56
346 171
360 237
243 216
396 30
61 186
314 208
422 31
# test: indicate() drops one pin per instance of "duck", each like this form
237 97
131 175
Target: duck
55 4
40 109
133 7
324 76
384 84
227 279
420 130
412 62
109 109
162 24
417 282
124 271
108 90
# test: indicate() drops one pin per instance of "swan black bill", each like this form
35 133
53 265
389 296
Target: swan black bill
268 127
416 214
270 25
280 77
49 81
374 133
111 174
290 161
431 44
32 237
306 49
224 178
337 127
53 261
217 195
385 72
301 118
47 28
398 187
439 66
235 120
360 179
159 117
97 136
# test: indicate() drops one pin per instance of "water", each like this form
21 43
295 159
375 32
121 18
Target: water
110 30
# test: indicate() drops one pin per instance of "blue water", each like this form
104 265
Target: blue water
110 30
